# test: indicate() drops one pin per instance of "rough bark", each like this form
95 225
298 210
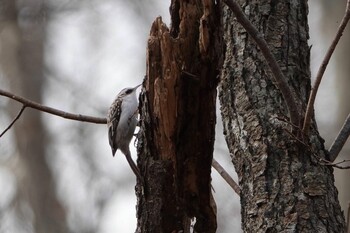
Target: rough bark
283 187
22 39
178 120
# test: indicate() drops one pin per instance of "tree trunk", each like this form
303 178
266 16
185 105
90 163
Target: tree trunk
283 186
178 119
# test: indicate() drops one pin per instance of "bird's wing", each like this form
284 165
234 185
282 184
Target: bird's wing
113 121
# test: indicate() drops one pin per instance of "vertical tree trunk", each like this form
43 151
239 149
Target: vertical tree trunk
22 45
178 119
283 187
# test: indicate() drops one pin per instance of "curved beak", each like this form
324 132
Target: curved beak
137 86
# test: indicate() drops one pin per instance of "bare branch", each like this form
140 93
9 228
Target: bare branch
226 176
280 79
336 165
53 111
310 105
340 140
344 161
14 120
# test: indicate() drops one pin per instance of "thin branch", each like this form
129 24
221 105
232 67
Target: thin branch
14 120
339 167
344 161
226 176
53 111
336 165
340 140
310 105
280 79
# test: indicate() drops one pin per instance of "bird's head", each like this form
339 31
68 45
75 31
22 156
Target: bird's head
127 91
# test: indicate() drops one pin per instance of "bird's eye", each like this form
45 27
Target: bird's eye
128 91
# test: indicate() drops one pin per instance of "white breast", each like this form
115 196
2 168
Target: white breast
127 122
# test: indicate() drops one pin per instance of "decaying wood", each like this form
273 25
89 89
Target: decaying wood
178 119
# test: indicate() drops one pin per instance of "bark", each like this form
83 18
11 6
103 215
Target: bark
283 187
178 119
22 37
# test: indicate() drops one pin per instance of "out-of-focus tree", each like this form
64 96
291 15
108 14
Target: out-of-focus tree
73 46
22 44
332 12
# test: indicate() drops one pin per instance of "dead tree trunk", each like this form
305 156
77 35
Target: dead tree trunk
283 186
178 119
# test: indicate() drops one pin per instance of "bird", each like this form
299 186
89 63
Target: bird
121 122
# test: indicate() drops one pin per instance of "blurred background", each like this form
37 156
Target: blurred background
58 175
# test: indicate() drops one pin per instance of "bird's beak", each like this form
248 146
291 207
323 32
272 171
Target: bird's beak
137 86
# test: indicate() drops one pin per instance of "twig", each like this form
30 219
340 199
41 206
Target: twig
311 102
344 161
294 127
53 111
297 139
280 79
340 140
339 167
14 120
226 176
329 163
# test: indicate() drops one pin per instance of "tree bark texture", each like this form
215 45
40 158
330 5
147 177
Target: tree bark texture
283 186
177 108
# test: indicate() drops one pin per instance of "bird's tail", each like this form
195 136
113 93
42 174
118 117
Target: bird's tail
133 165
